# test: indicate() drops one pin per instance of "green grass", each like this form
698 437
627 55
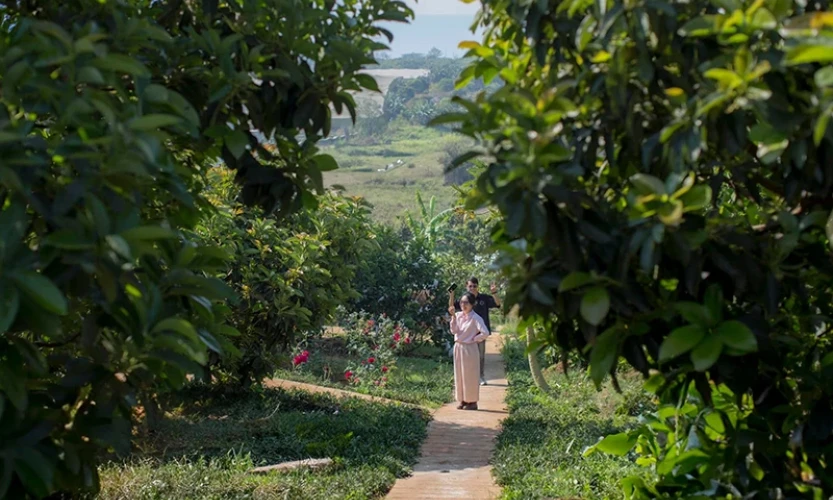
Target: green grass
539 450
205 448
394 191
426 380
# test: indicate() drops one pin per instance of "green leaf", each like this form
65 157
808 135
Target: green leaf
680 341
574 280
595 305
647 184
69 239
367 82
41 290
605 353
122 64
236 142
13 383
178 325
805 54
153 122
614 444
726 79
209 340
714 303
325 163
671 213
9 305
700 26
737 336
706 354
696 198
694 313
821 123
464 158
34 470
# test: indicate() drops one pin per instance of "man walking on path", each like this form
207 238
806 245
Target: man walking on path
483 302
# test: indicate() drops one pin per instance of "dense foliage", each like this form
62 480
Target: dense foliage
664 174
110 114
290 275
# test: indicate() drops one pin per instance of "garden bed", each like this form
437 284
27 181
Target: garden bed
424 377
208 445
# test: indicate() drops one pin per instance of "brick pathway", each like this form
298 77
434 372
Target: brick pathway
455 456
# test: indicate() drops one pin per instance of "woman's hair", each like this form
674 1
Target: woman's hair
470 297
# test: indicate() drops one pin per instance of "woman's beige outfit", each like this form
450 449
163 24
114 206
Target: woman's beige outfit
469 330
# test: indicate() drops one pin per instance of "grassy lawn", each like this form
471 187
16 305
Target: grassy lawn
205 448
392 192
425 378
539 451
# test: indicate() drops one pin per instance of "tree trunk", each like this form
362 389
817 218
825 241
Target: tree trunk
153 411
534 365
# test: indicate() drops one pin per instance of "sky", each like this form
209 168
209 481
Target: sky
443 7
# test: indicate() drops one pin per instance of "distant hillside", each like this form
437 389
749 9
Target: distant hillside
425 32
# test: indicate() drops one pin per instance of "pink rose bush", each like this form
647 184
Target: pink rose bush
374 344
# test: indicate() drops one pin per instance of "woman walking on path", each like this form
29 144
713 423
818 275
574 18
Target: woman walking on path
469 329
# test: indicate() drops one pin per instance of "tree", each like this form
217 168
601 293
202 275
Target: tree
110 115
291 275
664 175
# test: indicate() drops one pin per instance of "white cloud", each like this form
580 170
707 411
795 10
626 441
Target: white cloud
443 7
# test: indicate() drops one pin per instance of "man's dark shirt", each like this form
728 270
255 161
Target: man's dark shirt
482 303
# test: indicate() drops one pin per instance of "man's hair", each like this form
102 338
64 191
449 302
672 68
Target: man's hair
473 280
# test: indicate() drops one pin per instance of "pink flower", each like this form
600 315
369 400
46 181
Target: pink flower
396 337
371 323
384 379
371 359
384 369
305 354
376 382
348 374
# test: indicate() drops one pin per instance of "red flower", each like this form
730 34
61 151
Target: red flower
348 374
407 340
371 359
384 369
396 337
301 358
371 323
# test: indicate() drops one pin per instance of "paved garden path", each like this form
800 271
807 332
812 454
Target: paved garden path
455 456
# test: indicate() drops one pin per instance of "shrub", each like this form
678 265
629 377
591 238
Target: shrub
663 175
374 345
110 115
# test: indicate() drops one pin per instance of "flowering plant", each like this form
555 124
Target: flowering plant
374 344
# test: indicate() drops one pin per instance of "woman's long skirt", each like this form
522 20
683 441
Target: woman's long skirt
466 373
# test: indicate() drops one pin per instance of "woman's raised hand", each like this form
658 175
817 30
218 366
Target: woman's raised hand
451 311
